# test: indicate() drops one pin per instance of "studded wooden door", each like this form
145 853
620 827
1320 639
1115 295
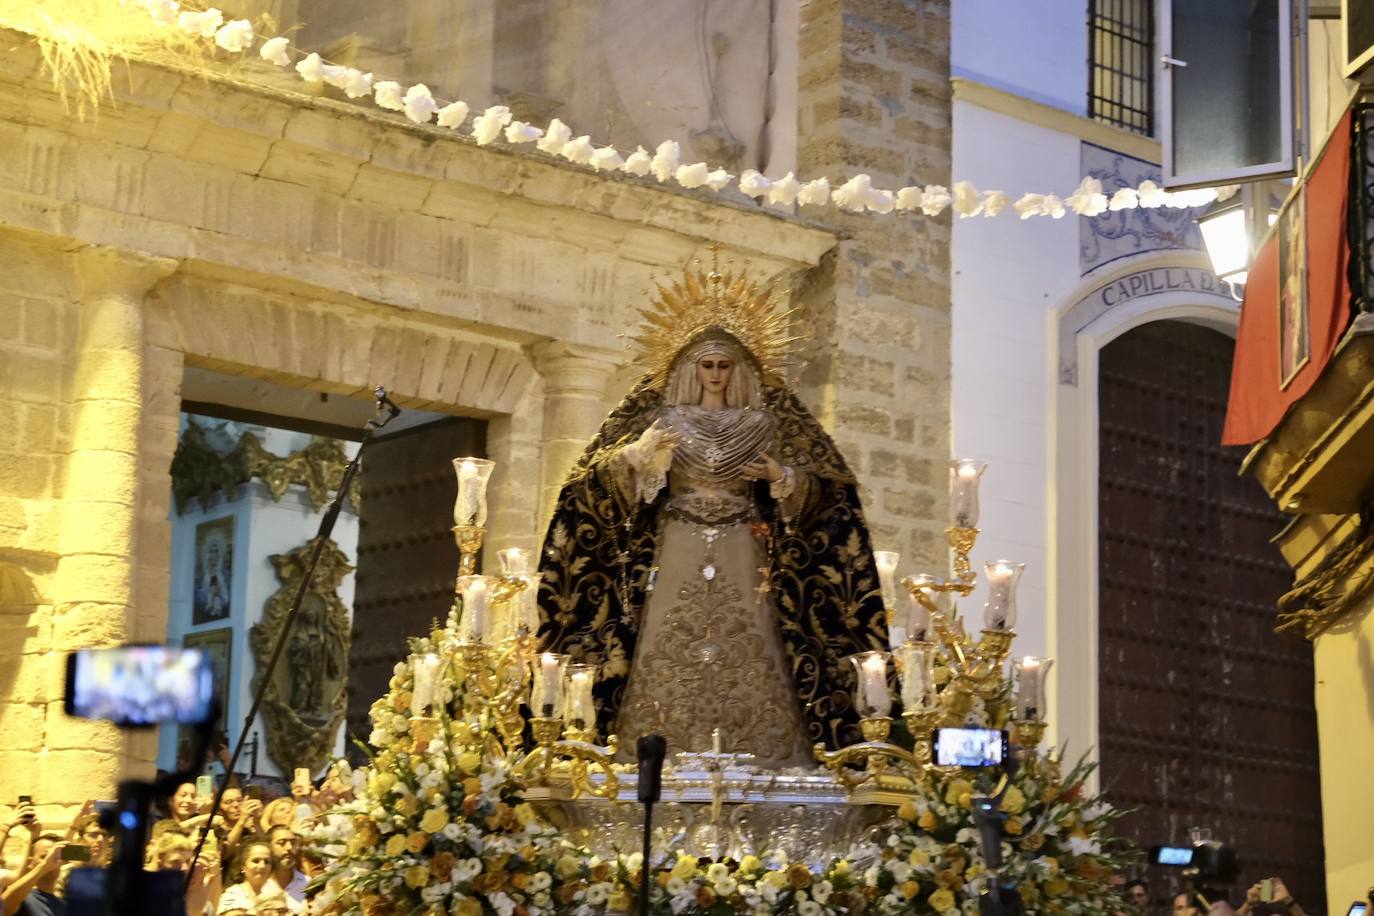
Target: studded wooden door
1206 715
407 560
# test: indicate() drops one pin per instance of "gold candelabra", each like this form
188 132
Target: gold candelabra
553 744
942 670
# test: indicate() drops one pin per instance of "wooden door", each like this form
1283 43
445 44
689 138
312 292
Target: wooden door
1206 715
407 560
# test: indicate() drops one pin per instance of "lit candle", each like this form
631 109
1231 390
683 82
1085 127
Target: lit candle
472 626
426 671
581 707
546 693
527 606
1031 675
715 741
963 492
872 696
999 613
470 508
514 561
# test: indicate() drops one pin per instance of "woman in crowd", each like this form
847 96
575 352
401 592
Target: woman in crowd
255 893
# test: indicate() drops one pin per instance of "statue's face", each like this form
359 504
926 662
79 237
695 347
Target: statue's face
714 371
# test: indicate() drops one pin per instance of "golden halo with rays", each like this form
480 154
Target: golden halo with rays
720 298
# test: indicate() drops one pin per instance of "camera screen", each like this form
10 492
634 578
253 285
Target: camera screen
140 685
1173 855
970 747
1357 908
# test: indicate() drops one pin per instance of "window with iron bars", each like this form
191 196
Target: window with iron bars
1121 37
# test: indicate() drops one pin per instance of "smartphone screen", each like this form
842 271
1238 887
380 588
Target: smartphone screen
970 747
1357 908
1172 855
205 786
140 685
74 852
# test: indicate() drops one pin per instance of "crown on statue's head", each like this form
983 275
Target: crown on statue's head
705 302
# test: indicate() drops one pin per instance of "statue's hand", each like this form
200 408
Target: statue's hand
654 441
762 468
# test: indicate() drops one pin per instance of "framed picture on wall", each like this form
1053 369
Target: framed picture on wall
211 597
1295 338
218 644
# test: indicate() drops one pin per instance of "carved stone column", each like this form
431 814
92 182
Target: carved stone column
95 595
575 383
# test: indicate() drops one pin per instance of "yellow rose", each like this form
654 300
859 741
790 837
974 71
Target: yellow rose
684 867
1034 842
383 783
907 811
842 867
941 900
776 878
417 841
909 889
956 790
525 814
618 902
469 907
1014 802
1051 865
973 871
569 866
926 821
417 875
750 864
395 845
469 761
1056 887
407 805
1049 794
1068 821
966 800
918 858
461 731
1014 826
435 819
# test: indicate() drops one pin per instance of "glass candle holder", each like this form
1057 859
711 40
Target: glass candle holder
871 696
886 561
999 613
525 607
964 475
546 686
1031 675
514 561
475 622
426 670
916 665
470 508
918 615
579 707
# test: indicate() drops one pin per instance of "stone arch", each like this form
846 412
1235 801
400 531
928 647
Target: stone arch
1170 286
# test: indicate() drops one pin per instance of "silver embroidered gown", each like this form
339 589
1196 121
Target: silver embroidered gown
709 653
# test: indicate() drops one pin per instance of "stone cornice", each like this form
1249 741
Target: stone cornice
277 187
1056 119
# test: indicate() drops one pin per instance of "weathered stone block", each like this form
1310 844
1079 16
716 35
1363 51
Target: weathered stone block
26 476
88 624
21 726
32 678
864 419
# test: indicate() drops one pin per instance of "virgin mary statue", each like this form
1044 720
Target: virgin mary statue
708 551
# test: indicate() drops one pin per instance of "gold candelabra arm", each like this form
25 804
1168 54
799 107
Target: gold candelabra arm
582 756
875 753
961 542
507 587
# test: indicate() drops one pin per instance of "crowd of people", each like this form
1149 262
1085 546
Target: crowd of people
251 863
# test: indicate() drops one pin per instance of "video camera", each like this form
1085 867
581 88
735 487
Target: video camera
138 687
1209 867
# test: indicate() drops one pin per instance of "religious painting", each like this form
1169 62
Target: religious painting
211 598
1295 338
218 645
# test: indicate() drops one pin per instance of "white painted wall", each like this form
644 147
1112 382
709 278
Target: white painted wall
1037 49
261 528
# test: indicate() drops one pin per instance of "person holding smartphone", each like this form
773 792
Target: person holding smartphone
34 893
1270 897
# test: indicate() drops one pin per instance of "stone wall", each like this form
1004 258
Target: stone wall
875 98
204 222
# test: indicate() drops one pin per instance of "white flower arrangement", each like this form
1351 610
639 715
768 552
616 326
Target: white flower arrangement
236 36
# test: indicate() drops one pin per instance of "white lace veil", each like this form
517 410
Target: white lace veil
684 386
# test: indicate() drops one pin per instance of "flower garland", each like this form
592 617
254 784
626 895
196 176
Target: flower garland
497 123
445 830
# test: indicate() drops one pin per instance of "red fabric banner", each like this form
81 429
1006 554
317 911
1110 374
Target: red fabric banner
1269 319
